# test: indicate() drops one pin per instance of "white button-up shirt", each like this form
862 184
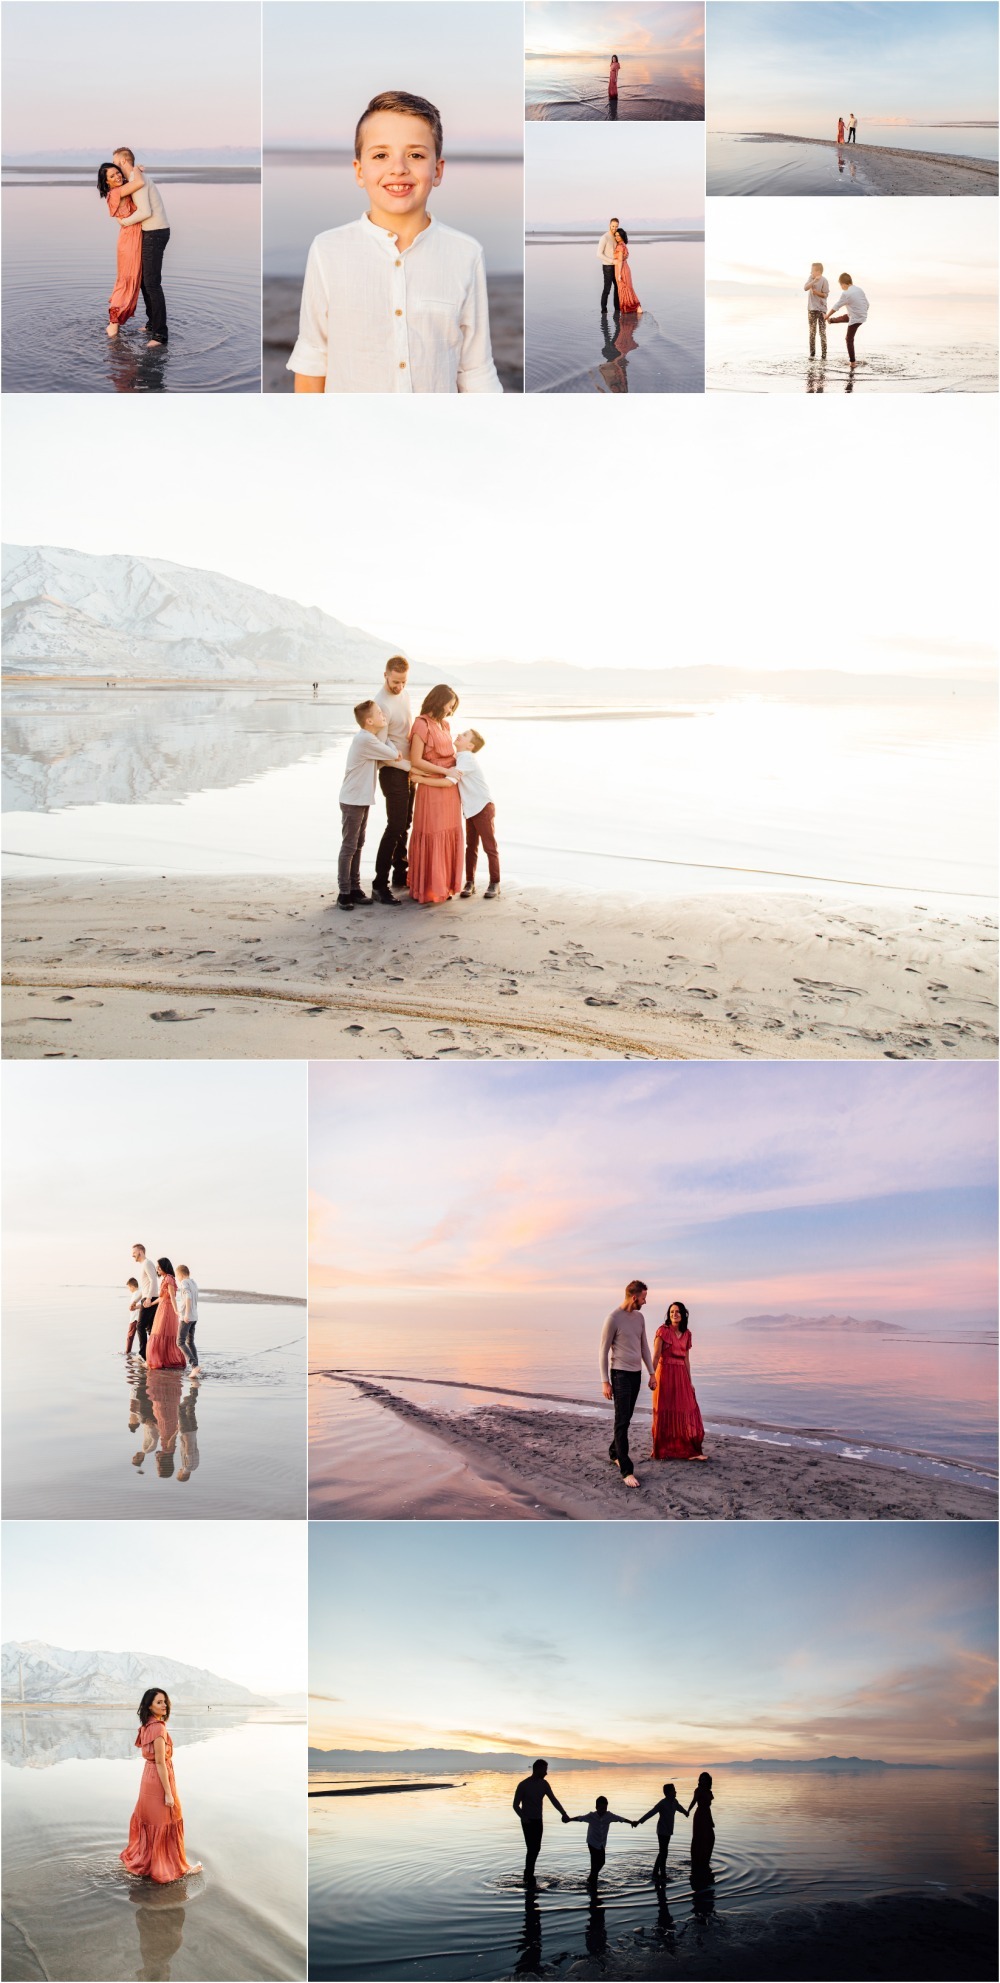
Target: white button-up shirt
473 789
379 318
187 1300
367 752
149 1286
855 302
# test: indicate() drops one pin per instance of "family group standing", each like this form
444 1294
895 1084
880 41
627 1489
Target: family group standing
136 205
163 1314
678 1430
533 1791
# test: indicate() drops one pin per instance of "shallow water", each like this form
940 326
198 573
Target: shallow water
428 1885
481 197
570 347
72 1913
760 343
575 89
88 1433
740 163
763 794
59 251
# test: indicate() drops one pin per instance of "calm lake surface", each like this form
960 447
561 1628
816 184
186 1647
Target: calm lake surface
574 89
739 163
428 1885
70 1910
305 194
59 251
89 1433
762 794
760 343
570 347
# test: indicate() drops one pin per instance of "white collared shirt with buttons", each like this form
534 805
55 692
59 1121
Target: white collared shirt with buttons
379 318
149 1285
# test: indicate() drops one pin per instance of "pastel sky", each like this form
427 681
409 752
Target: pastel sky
229 1596
797 64
803 1188
920 249
495 562
576 175
325 59
630 27
203 1161
168 75
784 1639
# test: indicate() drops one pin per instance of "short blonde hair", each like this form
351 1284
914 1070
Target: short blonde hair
123 151
477 740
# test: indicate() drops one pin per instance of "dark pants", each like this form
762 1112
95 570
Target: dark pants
610 283
625 1391
154 246
662 1848
147 1316
532 1829
817 321
391 855
355 819
185 1339
852 137
596 1862
480 828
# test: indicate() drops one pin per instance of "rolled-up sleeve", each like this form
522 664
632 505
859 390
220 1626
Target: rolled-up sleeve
309 354
476 370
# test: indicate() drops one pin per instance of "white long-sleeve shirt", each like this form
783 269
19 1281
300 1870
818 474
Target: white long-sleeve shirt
149 1286
624 1344
150 211
376 317
398 719
855 302
598 1825
606 249
367 752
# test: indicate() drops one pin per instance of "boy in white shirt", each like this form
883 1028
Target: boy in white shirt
187 1316
478 811
395 301
357 795
817 290
134 1305
854 304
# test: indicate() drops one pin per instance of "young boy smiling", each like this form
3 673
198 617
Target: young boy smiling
395 301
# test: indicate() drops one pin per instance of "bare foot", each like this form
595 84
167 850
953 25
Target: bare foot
697 1456
112 330
150 341
630 1480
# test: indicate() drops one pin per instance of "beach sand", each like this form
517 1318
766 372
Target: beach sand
558 1462
267 968
899 173
282 293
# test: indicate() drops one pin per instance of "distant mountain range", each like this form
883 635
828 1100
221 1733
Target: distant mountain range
151 158
438 1762
848 1325
33 1671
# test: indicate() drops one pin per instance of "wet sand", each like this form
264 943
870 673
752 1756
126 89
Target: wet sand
897 173
282 294
192 968
557 1461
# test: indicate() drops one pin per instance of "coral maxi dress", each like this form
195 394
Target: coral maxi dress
155 1846
163 1351
628 301
677 1423
437 840
128 280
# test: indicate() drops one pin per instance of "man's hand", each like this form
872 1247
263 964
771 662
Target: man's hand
566 1818
606 1388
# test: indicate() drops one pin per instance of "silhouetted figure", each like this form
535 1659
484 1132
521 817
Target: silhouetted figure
596 1931
598 1823
529 1800
703 1828
702 1891
529 1948
664 1923
666 1811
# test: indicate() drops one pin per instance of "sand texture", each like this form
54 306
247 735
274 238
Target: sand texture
282 294
559 1460
893 172
265 968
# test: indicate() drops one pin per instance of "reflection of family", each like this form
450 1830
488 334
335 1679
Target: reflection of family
143 233
163 1313
678 1430
612 253
852 307
427 779
529 1803
155 1849
166 1422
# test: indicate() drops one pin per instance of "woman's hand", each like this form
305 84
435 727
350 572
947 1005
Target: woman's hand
652 1383
168 1800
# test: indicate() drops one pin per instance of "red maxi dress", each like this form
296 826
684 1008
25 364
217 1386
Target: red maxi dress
677 1423
155 1846
613 79
128 280
436 865
163 1351
628 300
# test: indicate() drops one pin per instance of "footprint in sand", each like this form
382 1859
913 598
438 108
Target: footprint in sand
354 1029
172 1018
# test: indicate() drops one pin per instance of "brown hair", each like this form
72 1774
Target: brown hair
396 665
477 740
637 1287
183 1270
435 702
845 278
410 106
122 151
363 709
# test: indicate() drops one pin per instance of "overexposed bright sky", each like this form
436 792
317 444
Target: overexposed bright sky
229 1596
622 27
915 248
576 175
471 529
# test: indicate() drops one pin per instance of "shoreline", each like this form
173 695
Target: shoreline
265 967
559 1460
896 172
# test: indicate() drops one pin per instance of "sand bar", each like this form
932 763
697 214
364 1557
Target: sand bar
267 968
895 172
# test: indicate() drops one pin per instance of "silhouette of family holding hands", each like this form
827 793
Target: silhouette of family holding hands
529 1803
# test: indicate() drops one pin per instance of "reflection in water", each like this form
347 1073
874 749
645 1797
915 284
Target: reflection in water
161 1932
134 369
596 1931
529 1948
702 1889
166 1420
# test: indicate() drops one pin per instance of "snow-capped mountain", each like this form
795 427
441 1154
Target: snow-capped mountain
71 613
51 1673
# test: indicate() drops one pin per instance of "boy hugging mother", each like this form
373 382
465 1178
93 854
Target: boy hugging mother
431 783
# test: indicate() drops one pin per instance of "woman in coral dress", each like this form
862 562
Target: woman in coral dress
163 1351
613 77
677 1424
840 130
627 298
128 280
155 1848
437 840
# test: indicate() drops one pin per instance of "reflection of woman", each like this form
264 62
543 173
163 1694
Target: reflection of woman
128 280
677 1423
627 298
613 77
437 839
703 1829
163 1351
155 1848
165 1396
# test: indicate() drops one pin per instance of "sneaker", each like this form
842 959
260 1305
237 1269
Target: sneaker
492 892
469 889
360 899
344 902
381 893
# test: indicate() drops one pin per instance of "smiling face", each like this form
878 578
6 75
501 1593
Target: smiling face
674 1316
115 176
158 1706
398 166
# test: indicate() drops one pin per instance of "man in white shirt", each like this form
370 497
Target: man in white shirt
394 779
478 811
852 129
853 304
151 215
624 1350
606 256
357 796
149 1294
395 302
187 1316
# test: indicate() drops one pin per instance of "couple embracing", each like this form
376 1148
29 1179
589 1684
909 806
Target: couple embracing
678 1430
134 203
